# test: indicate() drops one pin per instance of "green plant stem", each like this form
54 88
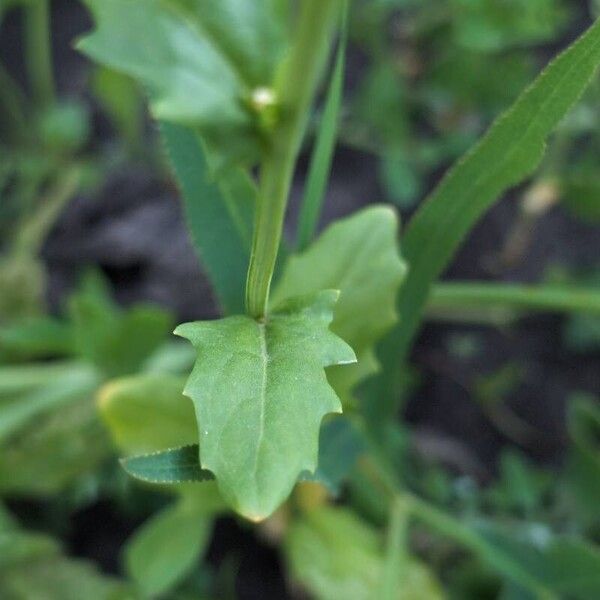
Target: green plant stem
452 528
38 52
13 102
36 227
396 551
295 90
380 474
509 300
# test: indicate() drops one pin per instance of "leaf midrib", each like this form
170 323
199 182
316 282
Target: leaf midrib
264 356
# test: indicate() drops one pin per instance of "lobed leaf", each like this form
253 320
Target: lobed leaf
260 393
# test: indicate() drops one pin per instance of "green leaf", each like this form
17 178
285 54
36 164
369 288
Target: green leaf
175 465
260 393
562 566
584 455
19 547
116 341
495 26
147 413
32 567
359 256
173 357
121 100
60 578
340 445
54 451
19 379
219 218
336 555
202 64
501 303
520 486
527 554
506 155
339 448
581 195
36 337
320 165
167 547
80 382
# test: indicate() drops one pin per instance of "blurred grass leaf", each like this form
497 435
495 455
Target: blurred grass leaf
53 452
122 100
167 547
334 554
116 341
502 303
504 157
320 164
35 337
584 455
559 567
32 566
492 26
18 411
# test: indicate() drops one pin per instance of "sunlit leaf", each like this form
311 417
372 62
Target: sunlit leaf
147 413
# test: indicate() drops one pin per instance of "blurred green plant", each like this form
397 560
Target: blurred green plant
234 89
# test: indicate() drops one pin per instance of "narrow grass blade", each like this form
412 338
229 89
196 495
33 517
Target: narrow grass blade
504 302
506 156
320 164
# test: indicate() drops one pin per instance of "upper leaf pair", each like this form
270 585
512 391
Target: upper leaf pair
200 60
